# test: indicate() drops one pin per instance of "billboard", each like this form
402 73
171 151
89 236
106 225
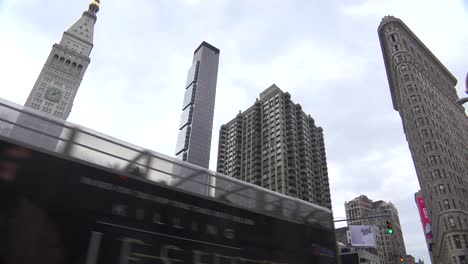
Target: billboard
424 217
70 212
362 236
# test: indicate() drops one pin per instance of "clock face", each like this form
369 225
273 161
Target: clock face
53 94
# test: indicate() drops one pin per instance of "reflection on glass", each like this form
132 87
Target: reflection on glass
188 96
184 120
181 139
193 72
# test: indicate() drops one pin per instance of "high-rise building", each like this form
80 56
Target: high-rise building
57 84
436 128
196 124
390 247
276 145
55 89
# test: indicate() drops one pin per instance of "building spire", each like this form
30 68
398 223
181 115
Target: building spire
94 6
83 29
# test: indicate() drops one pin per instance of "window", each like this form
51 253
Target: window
456 238
35 106
419 122
424 133
46 109
462 259
410 88
446 204
451 221
399 58
441 188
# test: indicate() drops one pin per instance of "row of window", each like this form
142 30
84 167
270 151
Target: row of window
46 109
440 189
421 59
446 205
66 64
47 103
454 242
432 145
65 98
75 47
58 78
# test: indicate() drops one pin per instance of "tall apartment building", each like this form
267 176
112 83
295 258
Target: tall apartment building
196 123
436 129
276 145
390 247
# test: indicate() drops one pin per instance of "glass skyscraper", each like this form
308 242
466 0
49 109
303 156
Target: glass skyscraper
196 124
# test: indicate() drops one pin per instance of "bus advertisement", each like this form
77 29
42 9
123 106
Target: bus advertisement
56 209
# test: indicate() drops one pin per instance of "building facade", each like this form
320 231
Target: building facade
56 87
436 128
276 145
196 124
390 247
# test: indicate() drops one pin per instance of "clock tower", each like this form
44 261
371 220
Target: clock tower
57 84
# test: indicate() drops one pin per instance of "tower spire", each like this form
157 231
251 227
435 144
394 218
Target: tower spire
94 6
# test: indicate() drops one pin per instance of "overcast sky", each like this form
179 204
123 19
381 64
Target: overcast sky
325 53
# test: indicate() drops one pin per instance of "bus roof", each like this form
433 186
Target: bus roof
67 140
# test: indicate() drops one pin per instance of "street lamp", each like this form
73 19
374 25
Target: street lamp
462 101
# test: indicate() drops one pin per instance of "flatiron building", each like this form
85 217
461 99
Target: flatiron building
436 128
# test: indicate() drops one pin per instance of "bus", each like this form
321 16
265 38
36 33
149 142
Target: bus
72 195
